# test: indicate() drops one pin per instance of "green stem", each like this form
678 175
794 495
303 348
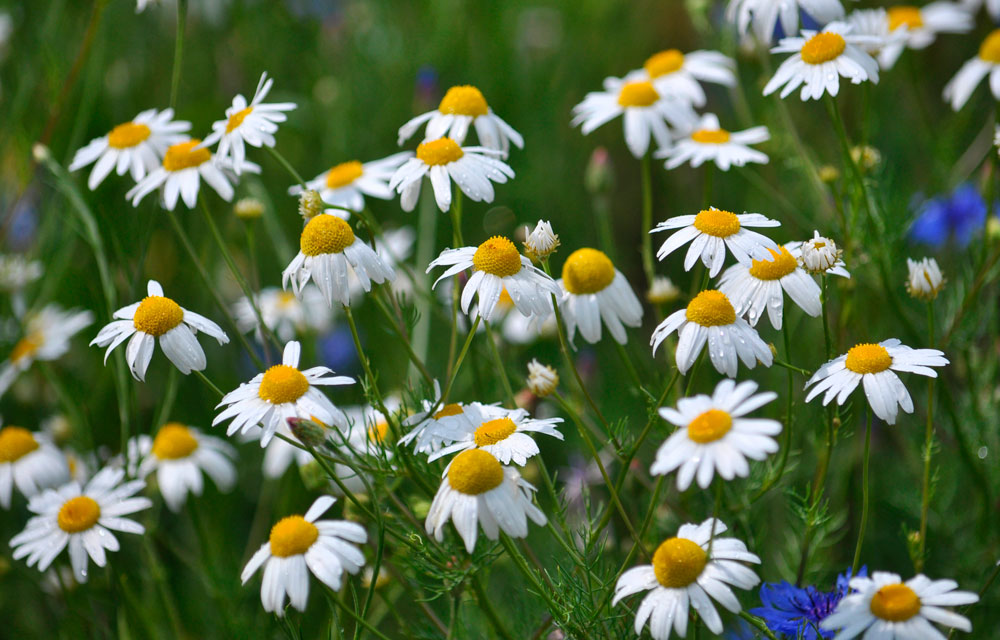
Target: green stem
489 609
925 500
500 366
774 478
522 565
706 198
208 383
394 324
758 624
175 81
647 219
287 165
361 621
864 492
380 403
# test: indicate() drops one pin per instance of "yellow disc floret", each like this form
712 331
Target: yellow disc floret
498 256
15 443
78 514
716 222
895 602
710 426
157 315
711 308
587 271
376 432
710 136
907 16
637 94
128 135
493 431
26 347
237 119
450 409
292 536
174 441
823 47
464 100
663 63
474 472
439 152
678 562
868 358
344 174
282 383
781 264
326 234
989 51
184 156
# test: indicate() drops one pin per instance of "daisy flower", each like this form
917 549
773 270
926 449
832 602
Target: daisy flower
327 247
713 436
689 570
708 141
677 74
442 160
986 63
973 6
712 230
393 246
478 491
282 392
461 107
81 518
594 290
819 59
28 461
300 545
251 124
874 23
497 266
875 364
758 287
135 146
502 433
885 607
46 337
645 113
764 14
925 280
346 184
179 454
158 318
284 313
437 425
710 317
923 24
820 255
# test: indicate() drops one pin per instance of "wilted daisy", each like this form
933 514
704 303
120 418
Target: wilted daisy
497 266
346 184
158 318
884 44
712 230
820 255
284 313
689 570
135 146
713 436
923 24
875 364
709 142
28 461
885 607
765 15
478 491
677 74
502 433
819 60
461 107
81 518
442 160
327 247
594 290
758 287
986 63
46 337
282 392
924 280
710 317
300 545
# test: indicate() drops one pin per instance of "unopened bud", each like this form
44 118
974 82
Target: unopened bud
310 433
829 173
310 204
924 280
866 157
542 379
248 208
598 177
541 242
662 291
40 152
993 228
819 254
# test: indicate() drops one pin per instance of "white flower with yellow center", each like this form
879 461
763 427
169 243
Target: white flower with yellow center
46 337
874 365
300 545
819 60
17 272
645 113
135 146
713 435
327 247
284 313
674 73
251 124
346 184
875 24
689 570
710 317
594 290
759 287
158 318
712 230
925 279
443 160
30 462
282 392
820 255
885 607
478 491
179 454
437 424
461 107
973 6
709 142
82 519
497 266
765 15
986 63
923 24
502 433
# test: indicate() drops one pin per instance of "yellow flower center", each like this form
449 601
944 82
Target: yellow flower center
710 426
905 16
282 384
344 174
637 94
16 442
781 264
868 358
823 47
989 51
464 100
174 441
292 536
438 152
678 562
474 471
711 308
710 136
157 315
184 156
498 256
451 409
127 135
664 62
493 431
26 347
716 222
237 119
376 433
286 299
326 234
78 514
895 602
587 271
505 301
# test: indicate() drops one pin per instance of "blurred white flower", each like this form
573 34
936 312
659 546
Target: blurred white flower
924 281
346 184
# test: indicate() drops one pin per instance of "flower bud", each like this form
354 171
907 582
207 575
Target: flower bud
819 254
310 433
248 208
866 157
310 204
925 279
541 242
598 177
662 291
829 173
40 152
542 379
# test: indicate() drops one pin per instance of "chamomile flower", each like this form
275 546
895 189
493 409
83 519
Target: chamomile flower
158 318
674 73
284 313
282 392
764 14
712 230
883 40
759 287
463 107
28 461
251 124
709 142
497 266
346 184
46 337
819 59
594 290
714 436
134 147
986 63
437 424
300 545
82 519
689 570
478 491
710 317
327 247
925 279
504 434
820 255
923 24
875 365
885 607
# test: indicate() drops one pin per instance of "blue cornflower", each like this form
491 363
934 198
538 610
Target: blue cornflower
956 217
796 612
